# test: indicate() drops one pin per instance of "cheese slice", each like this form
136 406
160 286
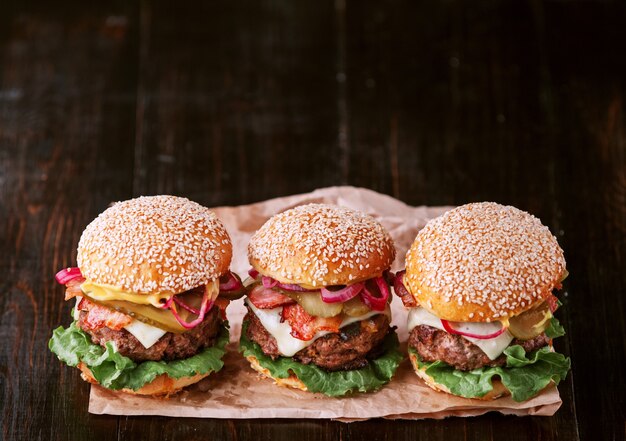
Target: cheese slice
289 345
75 311
104 293
492 347
146 334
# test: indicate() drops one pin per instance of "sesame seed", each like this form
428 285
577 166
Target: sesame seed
168 242
327 240
494 256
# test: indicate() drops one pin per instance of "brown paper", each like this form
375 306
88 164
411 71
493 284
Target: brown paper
238 392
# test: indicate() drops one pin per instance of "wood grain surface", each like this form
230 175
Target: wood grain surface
234 102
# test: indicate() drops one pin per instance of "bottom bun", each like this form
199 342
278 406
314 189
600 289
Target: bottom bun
162 386
291 381
498 390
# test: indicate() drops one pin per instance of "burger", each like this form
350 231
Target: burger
151 288
318 301
480 284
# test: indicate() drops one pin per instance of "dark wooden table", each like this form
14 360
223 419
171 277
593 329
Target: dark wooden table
233 102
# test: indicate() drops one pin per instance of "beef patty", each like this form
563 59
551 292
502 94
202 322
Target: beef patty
346 350
171 346
433 344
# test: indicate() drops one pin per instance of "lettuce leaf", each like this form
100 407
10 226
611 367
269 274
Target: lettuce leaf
115 371
372 377
555 329
524 375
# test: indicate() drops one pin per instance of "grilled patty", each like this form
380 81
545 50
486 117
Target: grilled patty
171 346
346 350
433 344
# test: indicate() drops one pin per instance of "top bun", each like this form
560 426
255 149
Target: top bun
321 245
482 262
154 244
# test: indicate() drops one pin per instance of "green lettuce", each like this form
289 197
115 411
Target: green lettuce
554 329
524 375
115 371
372 377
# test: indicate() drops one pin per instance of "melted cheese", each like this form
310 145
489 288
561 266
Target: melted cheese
289 345
105 293
492 347
75 311
146 334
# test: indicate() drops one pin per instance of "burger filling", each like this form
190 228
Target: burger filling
348 349
170 346
335 328
472 345
433 344
126 340
152 326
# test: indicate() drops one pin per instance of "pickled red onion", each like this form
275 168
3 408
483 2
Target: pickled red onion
342 295
206 305
185 306
268 282
292 287
67 274
376 303
232 282
451 330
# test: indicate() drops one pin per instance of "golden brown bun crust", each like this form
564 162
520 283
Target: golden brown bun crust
292 381
498 390
155 244
161 386
321 245
482 262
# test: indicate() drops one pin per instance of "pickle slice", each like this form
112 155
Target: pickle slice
160 318
530 323
312 303
355 307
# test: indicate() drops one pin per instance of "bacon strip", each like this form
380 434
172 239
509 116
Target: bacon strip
73 288
398 286
222 304
553 302
267 298
304 326
100 317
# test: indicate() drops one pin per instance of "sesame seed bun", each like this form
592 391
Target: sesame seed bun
154 244
482 262
292 381
321 245
161 386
